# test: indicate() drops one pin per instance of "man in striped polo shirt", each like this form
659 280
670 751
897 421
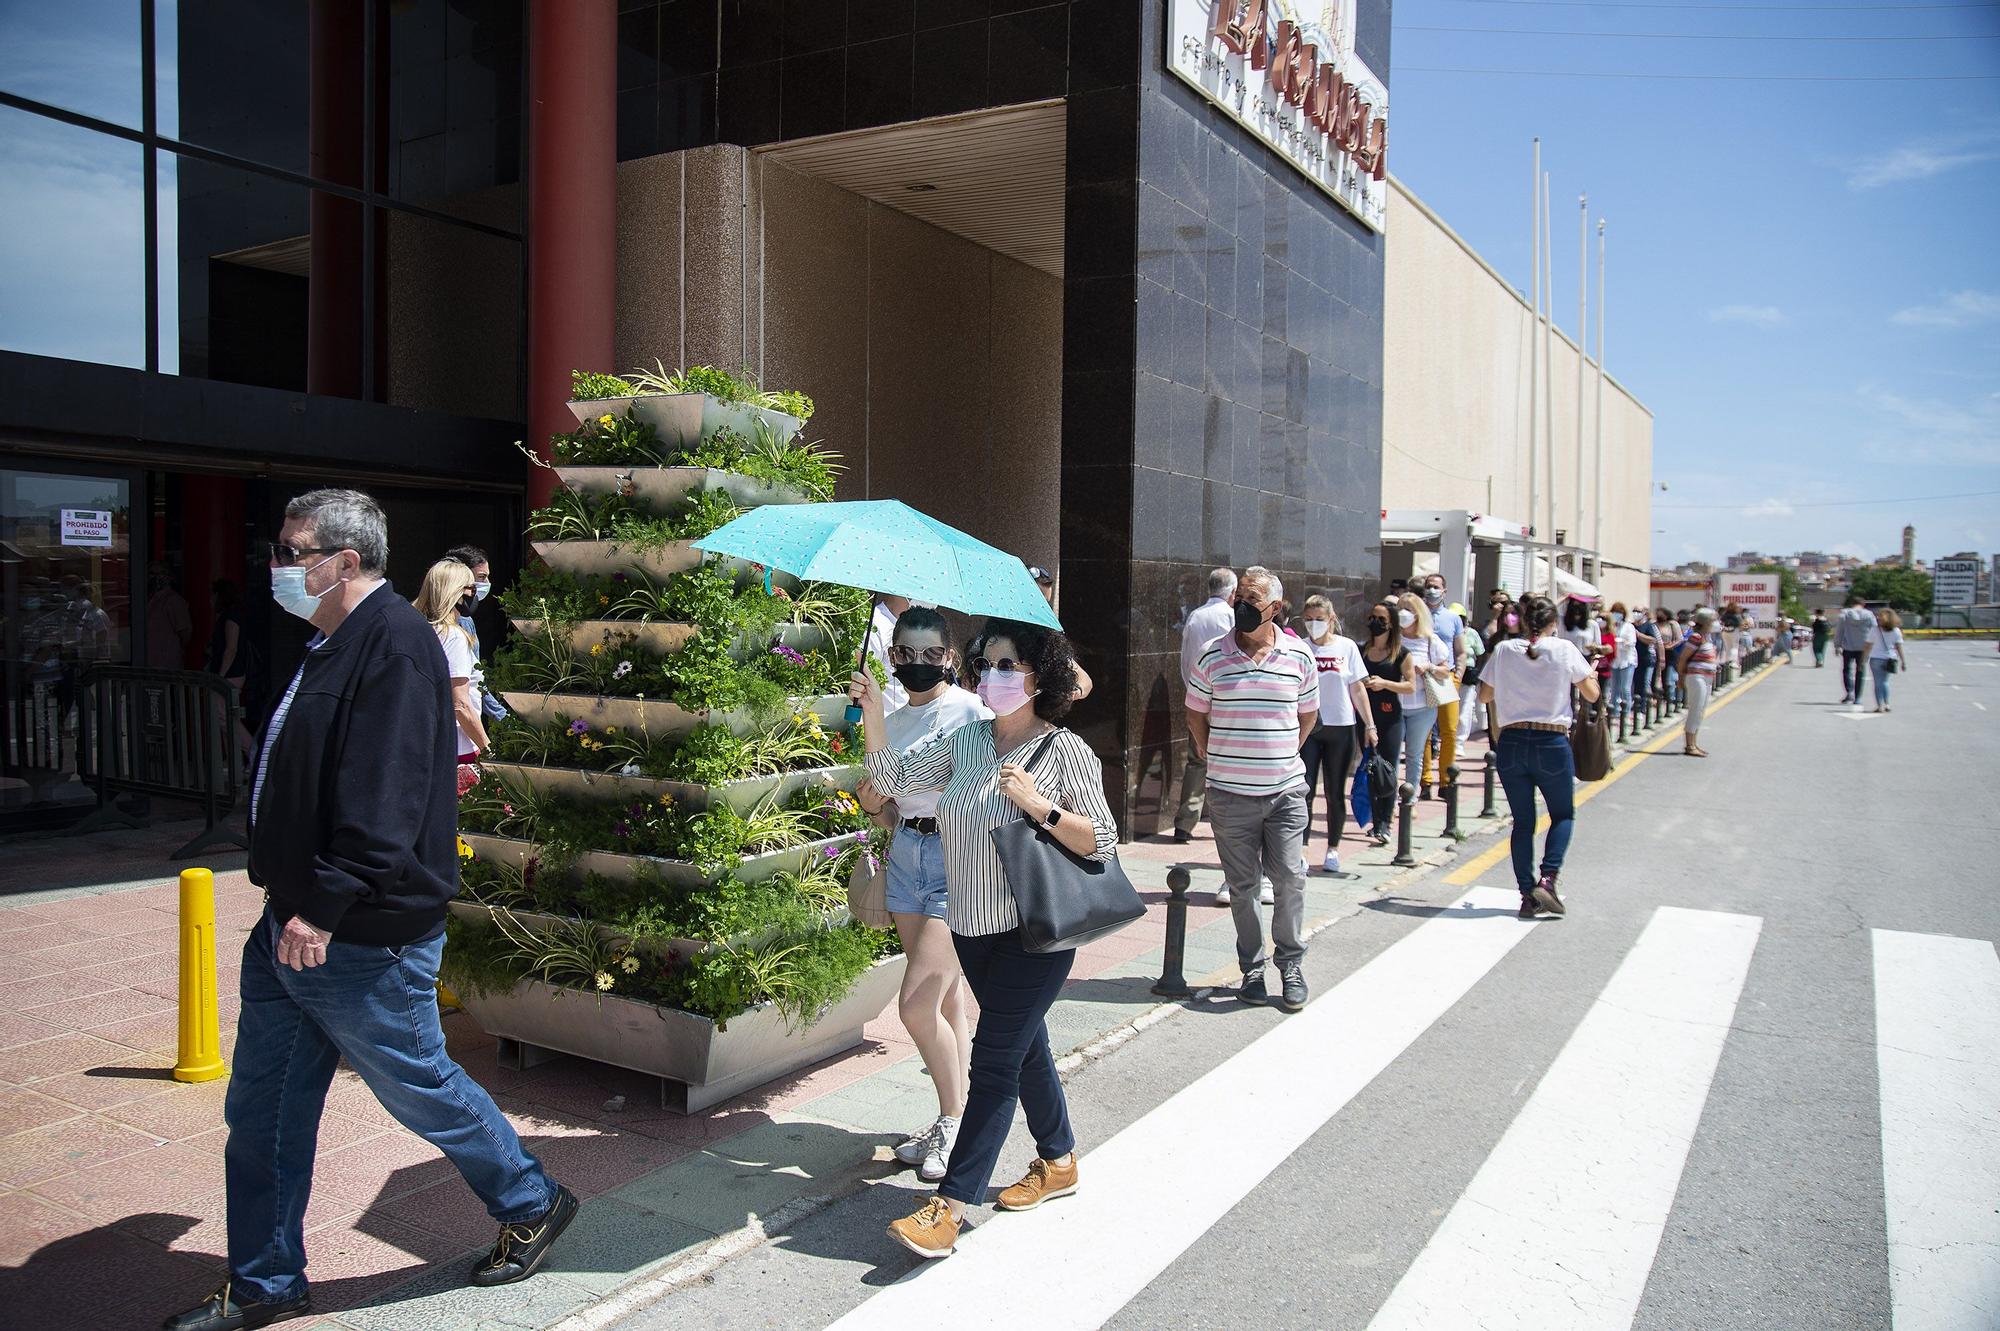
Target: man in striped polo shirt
1251 701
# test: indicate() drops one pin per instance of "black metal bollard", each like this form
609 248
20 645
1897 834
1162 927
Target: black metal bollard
1451 804
1406 795
1172 983
1621 722
1489 809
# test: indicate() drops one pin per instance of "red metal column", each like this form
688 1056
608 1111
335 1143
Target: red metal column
572 208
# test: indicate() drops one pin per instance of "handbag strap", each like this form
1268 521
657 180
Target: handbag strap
1040 749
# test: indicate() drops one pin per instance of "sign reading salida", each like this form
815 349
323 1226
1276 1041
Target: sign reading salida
1295 84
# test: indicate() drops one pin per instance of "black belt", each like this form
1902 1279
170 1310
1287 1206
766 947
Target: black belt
922 826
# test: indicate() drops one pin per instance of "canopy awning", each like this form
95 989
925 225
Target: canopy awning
1567 583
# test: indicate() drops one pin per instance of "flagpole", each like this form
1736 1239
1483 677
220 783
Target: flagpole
1548 366
1598 538
1582 326
1534 373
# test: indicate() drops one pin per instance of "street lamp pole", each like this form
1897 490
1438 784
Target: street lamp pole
1597 536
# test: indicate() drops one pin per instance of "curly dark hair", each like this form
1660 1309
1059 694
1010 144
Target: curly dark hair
1046 651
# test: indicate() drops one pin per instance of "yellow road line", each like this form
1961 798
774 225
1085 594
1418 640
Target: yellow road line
1470 871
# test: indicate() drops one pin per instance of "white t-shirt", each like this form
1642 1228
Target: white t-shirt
1427 651
1340 665
458 664
915 725
1882 646
1537 690
881 632
1628 646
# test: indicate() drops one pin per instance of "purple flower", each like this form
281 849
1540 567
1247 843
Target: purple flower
579 727
781 650
831 853
621 828
618 577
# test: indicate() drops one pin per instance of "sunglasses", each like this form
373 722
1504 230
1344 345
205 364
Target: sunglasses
1006 665
901 655
1041 575
286 555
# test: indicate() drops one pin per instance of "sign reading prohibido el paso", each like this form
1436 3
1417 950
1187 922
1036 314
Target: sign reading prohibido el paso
1292 78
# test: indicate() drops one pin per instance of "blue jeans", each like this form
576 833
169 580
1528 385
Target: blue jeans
1878 670
1010 1059
376 1007
1417 725
1621 688
916 883
1531 760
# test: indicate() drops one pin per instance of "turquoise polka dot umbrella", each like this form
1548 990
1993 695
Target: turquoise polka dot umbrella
884 545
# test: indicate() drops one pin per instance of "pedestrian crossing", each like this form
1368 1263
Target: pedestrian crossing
1588 1169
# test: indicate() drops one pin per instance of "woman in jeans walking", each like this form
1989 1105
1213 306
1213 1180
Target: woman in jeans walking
1526 687
1019 764
1699 653
1885 654
1391 678
1329 750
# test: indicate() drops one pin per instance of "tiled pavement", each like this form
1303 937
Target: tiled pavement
111 1173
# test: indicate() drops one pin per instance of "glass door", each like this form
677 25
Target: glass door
68 555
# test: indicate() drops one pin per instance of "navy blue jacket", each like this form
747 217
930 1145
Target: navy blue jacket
356 829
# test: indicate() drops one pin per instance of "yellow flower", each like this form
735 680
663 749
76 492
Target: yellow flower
630 965
605 980
605 419
464 849
666 801
611 730
603 599
597 649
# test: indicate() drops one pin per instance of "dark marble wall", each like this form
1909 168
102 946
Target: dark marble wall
1224 316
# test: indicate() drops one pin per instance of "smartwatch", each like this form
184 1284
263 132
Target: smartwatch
1054 816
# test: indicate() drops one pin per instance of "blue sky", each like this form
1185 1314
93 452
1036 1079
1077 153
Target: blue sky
1804 276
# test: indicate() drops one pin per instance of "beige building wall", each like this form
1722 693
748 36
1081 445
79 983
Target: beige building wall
1456 394
935 364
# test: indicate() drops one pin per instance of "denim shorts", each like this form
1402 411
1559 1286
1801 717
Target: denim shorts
916 875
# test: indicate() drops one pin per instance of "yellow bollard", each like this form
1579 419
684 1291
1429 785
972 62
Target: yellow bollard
201 1021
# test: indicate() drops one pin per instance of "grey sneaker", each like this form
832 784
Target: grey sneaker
913 1151
1293 994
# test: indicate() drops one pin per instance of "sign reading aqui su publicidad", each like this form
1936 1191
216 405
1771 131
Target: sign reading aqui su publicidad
1754 593
1296 83
86 526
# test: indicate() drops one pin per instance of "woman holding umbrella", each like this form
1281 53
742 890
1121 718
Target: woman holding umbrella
991 773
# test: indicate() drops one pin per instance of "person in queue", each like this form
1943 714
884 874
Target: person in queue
932 1003
1696 659
1433 659
987 774
1646 656
353 825
1624 657
1527 691
1450 627
1392 677
1329 749
1670 634
1251 702
446 601
1205 623
1885 654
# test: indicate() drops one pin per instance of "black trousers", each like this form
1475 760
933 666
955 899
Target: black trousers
1329 750
1853 669
1388 740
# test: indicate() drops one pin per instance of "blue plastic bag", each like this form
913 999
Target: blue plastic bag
1361 802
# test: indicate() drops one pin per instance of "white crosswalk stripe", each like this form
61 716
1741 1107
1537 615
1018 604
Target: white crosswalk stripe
1937 1047
1559 1228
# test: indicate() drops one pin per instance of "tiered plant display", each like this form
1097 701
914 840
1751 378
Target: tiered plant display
656 855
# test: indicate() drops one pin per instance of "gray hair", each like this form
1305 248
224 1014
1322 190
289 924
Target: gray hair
345 520
1273 587
1221 582
1704 616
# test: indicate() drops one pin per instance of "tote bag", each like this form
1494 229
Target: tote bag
1063 899
868 884
1590 740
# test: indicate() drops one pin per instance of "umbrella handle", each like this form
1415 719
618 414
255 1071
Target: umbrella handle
860 664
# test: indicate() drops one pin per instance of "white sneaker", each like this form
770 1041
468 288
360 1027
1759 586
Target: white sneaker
1222 896
938 1158
1331 864
1265 896
913 1151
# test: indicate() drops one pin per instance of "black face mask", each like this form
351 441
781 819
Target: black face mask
1249 618
466 602
917 677
1377 627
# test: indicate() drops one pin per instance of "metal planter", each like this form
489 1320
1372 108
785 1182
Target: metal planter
668 873
663 488
652 717
603 558
700 1064
742 796
686 418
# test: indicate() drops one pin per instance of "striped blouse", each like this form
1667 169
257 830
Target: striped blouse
967 771
1701 661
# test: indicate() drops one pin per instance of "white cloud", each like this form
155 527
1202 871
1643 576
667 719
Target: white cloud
1758 316
1925 431
1959 309
1769 508
1917 161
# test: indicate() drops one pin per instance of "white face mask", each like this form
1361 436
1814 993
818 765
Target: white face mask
1316 627
481 590
1406 617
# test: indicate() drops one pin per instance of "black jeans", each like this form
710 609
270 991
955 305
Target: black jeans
1010 1059
1388 741
1853 669
1329 749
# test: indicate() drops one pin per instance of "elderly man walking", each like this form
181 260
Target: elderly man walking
1204 625
1851 636
1251 701
353 812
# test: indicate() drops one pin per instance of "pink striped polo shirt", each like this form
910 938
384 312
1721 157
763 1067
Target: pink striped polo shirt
1253 710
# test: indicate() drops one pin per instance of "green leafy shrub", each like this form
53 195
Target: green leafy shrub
585 386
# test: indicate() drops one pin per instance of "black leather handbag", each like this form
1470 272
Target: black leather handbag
1063 899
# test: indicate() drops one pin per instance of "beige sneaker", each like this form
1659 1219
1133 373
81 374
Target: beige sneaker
930 1233
1046 1179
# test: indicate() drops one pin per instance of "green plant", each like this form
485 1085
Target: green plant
586 386
612 440
791 403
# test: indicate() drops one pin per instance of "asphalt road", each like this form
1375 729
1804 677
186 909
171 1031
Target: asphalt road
1761 1053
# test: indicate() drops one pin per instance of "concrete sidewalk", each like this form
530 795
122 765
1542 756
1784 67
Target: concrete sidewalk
108 1165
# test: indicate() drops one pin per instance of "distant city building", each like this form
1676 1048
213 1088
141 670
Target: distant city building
1909 547
1743 559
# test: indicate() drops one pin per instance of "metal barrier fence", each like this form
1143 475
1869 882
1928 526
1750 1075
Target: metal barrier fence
163 732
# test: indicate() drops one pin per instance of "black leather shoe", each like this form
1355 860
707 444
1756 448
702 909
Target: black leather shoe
1182 838
521 1247
1292 995
1252 990
1529 907
220 1312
